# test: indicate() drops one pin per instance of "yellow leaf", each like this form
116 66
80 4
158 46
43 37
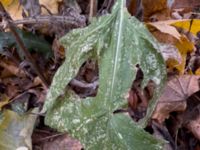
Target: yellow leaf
197 72
168 26
189 25
13 8
6 3
185 47
4 100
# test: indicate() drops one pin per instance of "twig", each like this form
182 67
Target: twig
28 56
93 9
49 137
49 20
80 84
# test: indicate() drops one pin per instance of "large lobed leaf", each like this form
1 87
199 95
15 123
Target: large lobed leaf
119 42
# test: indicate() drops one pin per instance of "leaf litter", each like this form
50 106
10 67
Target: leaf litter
179 123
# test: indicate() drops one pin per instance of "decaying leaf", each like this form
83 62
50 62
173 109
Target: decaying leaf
174 96
15 130
119 43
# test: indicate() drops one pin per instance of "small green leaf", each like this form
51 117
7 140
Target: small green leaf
119 42
31 41
15 130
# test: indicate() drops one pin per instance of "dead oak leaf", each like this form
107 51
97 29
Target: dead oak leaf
174 96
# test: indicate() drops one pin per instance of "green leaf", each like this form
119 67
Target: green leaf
15 130
119 42
31 41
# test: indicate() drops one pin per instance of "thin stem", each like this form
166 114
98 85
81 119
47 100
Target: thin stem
27 54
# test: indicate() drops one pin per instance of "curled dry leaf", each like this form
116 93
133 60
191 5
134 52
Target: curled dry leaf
164 27
174 96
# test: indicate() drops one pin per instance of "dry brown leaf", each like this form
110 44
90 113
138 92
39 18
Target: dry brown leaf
165 27
168 26
174 96
154 10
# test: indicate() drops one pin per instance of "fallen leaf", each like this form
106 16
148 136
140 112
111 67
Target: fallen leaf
15 130
165 27
156 10
191 25
174 96
13 8
51 5
168 26
184 45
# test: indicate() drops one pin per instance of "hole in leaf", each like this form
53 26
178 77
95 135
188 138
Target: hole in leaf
85 84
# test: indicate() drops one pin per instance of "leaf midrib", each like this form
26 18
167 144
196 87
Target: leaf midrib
121 16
